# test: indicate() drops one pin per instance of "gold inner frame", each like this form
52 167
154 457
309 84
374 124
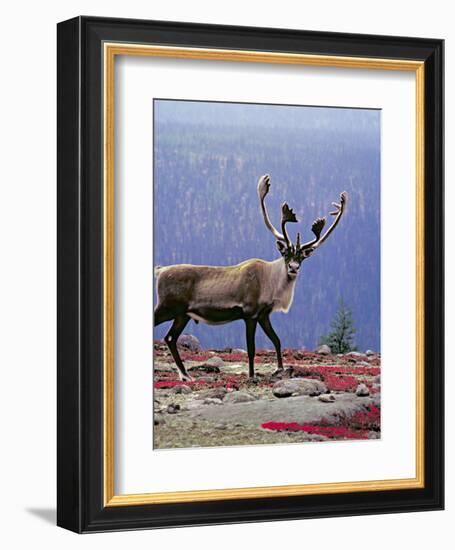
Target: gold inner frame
110 51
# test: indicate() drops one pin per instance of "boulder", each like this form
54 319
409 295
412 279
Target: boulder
324 350
300 409
239 397
213 393
327 398
183 389
215 362
192 405
362 390
212 401
298 386
212 365
205 377
370 352
190 342
362 364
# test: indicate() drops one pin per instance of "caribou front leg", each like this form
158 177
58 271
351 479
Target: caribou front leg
171 340
266 326
250 343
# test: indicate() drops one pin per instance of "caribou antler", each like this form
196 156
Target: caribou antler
319 224
287 214
317 227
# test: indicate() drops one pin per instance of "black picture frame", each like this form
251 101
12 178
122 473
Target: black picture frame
80 474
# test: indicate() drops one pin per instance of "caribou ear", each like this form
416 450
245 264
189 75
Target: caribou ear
307 252
281 247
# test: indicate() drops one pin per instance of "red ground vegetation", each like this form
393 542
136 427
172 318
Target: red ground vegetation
332 432
367 420
356 426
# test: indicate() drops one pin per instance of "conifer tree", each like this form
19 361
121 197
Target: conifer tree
341 338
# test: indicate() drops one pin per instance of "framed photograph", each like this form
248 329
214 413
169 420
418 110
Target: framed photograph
250 274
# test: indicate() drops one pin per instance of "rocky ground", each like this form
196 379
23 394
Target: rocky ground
320 397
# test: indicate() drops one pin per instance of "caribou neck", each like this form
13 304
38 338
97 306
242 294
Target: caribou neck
282 286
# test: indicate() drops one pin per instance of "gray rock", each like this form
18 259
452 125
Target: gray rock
214 393
362 364
362 390
214 361
238 350
239 397
298 386
356 354
190 342
205 378
370 352
212 401
159 366
182 388
327 398
173 409
221 426
299 409
324 350
192 405
377 379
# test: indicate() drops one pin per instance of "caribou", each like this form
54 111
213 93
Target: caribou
251 290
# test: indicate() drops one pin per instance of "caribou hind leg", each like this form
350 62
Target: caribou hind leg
266 326
171 340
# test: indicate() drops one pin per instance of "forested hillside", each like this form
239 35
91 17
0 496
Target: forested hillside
207 160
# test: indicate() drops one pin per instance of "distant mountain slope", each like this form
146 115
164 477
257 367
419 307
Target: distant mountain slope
208 158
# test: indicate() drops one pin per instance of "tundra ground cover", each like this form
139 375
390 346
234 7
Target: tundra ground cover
221 406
